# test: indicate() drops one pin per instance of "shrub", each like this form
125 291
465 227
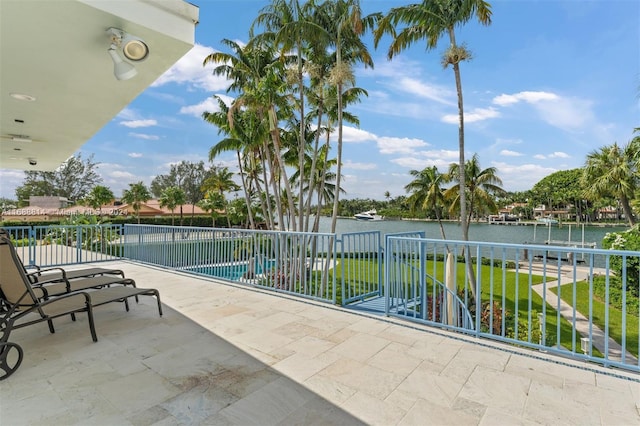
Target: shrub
628 240
615 294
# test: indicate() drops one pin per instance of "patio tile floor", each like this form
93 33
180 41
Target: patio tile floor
230 355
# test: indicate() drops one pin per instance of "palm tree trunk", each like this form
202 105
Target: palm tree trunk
273 181
246 193
464 222
275 133
336 196
312 180
626 208
301 142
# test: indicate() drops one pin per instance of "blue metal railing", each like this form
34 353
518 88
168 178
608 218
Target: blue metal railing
412 291
538 296
58 245
576 302
361 261
299 263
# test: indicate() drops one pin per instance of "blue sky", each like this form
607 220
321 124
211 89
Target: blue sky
549 82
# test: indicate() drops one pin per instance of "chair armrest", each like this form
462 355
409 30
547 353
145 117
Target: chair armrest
35 277
36 267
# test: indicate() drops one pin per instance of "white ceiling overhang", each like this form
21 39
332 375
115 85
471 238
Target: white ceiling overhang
56 52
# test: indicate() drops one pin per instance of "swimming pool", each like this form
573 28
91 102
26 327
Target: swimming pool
231 271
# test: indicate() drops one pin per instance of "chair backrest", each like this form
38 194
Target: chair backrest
14 283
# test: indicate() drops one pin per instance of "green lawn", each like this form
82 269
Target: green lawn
598 316
514 287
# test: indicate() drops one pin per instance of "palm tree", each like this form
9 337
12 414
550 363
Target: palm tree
430 20
137 194
171 198
245 135
483 185
345 25
427 192
290 27
220 181
613 171
212 203
257 74
98 197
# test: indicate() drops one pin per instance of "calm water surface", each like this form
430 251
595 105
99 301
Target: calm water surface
536 233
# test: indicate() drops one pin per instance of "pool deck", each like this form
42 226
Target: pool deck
228 354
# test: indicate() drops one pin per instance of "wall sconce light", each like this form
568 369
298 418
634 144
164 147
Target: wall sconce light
132 48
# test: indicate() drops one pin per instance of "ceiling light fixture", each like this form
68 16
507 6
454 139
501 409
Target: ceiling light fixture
21 138
22 97
133 49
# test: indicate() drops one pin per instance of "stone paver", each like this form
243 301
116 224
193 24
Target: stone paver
226 354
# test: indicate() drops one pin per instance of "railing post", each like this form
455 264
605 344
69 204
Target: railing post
79 237
379 261
423 282
478 289
326 269
387 272
32 245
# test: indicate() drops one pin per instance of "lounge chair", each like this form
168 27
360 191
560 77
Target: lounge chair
25 304
60 274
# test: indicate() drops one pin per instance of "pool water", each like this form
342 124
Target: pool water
232 272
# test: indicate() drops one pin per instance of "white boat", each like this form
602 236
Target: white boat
369 215
547 220
503 218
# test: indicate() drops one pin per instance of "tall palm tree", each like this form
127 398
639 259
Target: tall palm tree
288 24
256 73
483 185
429 21
613 170
427 192
345 25
171 198
137 194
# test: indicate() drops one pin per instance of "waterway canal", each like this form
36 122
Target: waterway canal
534 233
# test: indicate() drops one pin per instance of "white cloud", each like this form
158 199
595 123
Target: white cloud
354 135
441 158
11 179
424 90
559 154
119 174
139 123
521 177
569 114
441 154
208 105
410 162
128 114
359 166
477 114
390 145
190 71
526 96
145 136
508 153
135 154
